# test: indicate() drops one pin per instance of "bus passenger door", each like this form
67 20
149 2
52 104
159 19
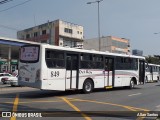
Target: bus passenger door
72 63
151 73
141 72
109 72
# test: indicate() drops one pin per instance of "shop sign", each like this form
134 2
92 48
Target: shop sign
14 62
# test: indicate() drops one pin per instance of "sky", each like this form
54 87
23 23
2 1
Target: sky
136 20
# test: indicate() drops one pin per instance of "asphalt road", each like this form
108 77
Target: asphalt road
143 102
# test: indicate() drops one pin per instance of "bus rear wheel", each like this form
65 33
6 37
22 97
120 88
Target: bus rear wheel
87 86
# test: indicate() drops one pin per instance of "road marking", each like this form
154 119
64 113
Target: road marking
38 102
75 108
48 101
134 94
124 106
15 105
130 108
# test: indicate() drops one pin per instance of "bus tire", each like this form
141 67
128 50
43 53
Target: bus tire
88 86
132 84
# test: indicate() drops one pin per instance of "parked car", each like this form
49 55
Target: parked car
14 80
4 75
5 80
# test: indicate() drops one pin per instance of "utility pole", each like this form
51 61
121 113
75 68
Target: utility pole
99 38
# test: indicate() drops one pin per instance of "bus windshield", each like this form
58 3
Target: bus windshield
29 54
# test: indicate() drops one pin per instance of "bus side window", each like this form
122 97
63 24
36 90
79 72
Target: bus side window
86 61
68 65
106 65
55 59
97 62
110 64
49 63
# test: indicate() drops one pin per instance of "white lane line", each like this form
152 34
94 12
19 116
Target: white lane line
134 94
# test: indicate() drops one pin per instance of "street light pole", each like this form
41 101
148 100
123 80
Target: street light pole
98 1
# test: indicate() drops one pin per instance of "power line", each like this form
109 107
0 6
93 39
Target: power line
5 1
15 6
7 27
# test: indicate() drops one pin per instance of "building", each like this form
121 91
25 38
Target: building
137 52
58 32
109 43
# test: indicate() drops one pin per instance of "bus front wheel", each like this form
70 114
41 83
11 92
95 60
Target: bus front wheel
87 86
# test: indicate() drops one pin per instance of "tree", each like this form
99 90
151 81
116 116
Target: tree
153 60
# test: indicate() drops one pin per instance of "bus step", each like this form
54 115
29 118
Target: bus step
108 87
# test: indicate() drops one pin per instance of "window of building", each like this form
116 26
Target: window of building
67 30
28 36
70 31
44 32
70 43
35 34
67 43
119 44
23 37
43 41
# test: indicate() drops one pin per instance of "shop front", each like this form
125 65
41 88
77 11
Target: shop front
8 66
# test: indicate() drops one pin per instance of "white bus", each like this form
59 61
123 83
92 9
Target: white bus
152 73
49 67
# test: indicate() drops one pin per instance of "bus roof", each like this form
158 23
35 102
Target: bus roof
153 64
89 51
